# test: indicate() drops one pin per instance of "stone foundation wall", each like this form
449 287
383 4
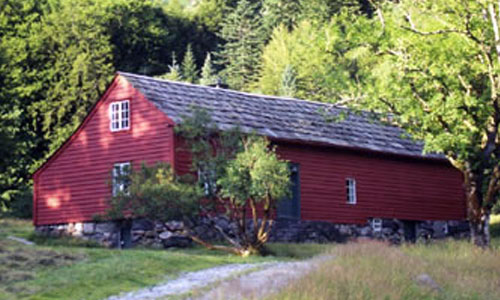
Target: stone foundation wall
149 234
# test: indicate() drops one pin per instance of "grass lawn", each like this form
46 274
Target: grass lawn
67 269
70 269
374 270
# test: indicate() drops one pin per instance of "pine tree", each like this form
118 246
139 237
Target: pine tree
208 74
244 37
288 82
189 69
174 70
286 12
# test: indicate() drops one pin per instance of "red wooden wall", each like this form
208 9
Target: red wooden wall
387 187
74 184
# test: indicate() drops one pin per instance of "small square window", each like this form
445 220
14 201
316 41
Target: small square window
377 225
119 115
120 178
350 184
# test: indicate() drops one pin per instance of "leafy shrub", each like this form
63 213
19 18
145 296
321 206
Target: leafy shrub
21 204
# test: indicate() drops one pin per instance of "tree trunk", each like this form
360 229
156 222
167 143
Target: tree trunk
478 209
479 229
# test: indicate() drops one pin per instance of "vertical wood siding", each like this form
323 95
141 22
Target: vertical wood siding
74 185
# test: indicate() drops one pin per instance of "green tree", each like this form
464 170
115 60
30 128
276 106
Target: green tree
189 68
281 12
320 11
59 63
73 75
317 54
211 13
17 139
241 174
290 13
156 193
243 36
288 86
174 72
255 178
434 66
208 73
138 30
10 139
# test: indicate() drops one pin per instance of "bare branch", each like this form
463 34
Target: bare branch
413 28
380 15
465 85
349 99
494 25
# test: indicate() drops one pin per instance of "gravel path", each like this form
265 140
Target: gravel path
263 282
189 281
268 278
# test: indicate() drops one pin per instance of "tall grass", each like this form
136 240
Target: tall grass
374 270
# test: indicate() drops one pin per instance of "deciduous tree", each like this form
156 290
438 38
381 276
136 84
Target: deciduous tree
434 66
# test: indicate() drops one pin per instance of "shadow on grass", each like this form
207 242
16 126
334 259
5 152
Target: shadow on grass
62 241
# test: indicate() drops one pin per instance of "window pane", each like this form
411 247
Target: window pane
351 190
119 115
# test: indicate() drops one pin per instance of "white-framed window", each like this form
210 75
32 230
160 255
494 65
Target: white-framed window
119 115
208 180
120 179
350 184
377 225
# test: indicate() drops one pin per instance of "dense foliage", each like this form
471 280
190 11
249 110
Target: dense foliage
155 193
238 176
433 65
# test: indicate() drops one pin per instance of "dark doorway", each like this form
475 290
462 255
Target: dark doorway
125 237
289 208
410 231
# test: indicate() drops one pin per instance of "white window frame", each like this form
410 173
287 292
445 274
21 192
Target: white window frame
117 110
376 224
351 192
119 186
207 184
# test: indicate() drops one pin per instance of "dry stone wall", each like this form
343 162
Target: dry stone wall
158 235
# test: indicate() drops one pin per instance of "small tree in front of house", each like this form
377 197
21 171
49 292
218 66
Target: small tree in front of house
241 176
256 178
238 175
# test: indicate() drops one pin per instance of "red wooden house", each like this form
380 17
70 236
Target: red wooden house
348 171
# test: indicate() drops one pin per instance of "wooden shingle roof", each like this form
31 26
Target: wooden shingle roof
278 117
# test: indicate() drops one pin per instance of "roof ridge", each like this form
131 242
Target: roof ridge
237 92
